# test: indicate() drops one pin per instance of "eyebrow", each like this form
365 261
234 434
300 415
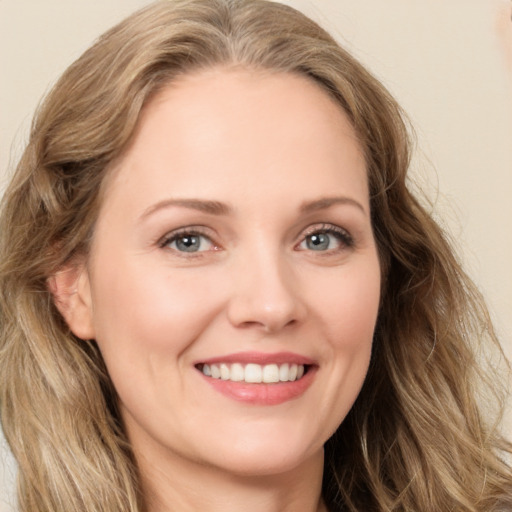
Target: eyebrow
202 205
218 208
326 202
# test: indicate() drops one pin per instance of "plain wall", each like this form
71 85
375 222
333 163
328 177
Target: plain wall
448 62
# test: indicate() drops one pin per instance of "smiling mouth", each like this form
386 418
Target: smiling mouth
252 373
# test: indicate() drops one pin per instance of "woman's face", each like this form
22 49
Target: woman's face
234 245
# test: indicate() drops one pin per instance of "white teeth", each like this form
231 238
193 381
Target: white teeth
215 371
255 373
224 372
237 372
283 372
271 373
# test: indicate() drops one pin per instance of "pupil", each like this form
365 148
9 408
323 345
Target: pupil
188 243
318 241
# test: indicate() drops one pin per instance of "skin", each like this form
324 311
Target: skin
263 145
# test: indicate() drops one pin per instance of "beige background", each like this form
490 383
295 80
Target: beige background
449 62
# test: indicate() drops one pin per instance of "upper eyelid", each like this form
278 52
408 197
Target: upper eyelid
212 236
345 236
324 226
188 230
319 226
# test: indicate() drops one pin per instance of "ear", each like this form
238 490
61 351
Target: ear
71 292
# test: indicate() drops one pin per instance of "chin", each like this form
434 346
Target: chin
266 455
263 465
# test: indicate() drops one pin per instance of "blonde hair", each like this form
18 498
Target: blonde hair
415 438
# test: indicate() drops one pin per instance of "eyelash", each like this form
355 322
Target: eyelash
342 235
183 233
345 239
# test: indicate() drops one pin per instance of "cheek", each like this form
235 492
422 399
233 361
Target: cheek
144 328
350 306
154 311
350 311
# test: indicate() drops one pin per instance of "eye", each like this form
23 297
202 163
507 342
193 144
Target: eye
326 238
188 242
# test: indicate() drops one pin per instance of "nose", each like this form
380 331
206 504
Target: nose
265 294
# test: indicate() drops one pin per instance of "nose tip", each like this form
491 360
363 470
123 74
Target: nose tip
269 319
266 300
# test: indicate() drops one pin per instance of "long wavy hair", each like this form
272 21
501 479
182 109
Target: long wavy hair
416 439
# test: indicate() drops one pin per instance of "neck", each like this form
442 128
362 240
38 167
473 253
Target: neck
191 487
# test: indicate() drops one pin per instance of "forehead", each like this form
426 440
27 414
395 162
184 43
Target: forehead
229 93
240 125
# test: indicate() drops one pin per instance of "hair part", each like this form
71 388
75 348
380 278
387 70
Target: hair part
415 439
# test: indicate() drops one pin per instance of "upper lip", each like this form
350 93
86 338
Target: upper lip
261 358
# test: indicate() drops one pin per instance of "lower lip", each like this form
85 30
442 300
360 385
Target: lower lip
263 394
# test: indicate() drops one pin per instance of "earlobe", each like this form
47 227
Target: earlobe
71 293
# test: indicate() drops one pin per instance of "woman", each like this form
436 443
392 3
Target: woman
218 292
